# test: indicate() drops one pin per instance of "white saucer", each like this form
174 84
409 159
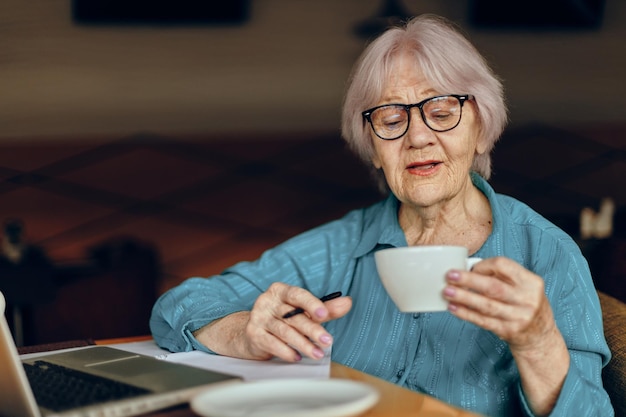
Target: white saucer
286 398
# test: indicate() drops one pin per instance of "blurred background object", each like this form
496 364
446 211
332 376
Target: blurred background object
160 12
26 278
108 293
538 14
391 13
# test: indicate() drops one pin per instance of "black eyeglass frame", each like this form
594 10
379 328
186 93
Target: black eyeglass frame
367 114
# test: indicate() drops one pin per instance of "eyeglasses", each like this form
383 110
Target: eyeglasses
439 113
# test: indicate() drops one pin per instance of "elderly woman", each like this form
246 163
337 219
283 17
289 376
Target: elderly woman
523 334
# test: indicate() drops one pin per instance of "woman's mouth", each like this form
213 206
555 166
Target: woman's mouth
423 168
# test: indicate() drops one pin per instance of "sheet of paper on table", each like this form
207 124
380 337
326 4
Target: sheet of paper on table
249 370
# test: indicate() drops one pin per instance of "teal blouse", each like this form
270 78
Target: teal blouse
434 353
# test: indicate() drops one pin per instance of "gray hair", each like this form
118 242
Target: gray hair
448 61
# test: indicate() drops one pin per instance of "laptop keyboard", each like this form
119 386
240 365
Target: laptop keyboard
58 388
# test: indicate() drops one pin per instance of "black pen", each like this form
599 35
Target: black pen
324 298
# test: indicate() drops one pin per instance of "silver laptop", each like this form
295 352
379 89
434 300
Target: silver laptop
128 384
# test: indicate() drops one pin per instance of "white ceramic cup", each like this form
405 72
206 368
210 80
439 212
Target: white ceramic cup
414 276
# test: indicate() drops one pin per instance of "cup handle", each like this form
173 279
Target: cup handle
471 262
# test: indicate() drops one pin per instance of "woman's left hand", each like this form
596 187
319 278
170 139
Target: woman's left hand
502 296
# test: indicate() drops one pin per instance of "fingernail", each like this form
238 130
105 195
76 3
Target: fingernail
298 357
449 291
326 339
320 312
452 307
318 353
454 276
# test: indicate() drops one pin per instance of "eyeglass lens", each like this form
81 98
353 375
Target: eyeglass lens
439 114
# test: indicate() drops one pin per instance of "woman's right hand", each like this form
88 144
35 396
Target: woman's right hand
263 333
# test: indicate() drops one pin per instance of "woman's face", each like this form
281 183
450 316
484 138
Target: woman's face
424 167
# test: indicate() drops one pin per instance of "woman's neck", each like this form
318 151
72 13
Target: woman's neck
465 220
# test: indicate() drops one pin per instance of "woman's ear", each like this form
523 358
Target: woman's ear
481 144
376 162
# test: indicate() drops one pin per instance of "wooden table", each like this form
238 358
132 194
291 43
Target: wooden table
394 401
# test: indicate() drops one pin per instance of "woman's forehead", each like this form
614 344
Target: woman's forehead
404 72
406 67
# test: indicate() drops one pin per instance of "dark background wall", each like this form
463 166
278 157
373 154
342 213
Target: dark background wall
281 70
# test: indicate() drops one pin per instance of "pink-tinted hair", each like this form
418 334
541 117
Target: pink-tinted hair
449 62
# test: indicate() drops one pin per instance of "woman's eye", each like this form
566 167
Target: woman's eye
393 120
440 116
392 123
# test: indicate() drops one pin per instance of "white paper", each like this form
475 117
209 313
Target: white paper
249 370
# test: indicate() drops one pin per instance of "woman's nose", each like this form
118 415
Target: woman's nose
419 134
